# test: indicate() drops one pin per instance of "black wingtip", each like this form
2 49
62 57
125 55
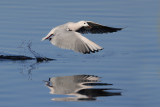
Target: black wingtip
89 52
112 29
119 29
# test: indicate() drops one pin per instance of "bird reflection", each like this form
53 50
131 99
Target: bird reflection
79 88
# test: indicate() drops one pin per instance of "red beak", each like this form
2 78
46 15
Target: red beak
49 36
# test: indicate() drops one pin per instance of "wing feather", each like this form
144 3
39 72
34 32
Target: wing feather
74 41
97 29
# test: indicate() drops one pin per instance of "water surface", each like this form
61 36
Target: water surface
130 59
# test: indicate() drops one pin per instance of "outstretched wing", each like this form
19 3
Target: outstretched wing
74 41
95 28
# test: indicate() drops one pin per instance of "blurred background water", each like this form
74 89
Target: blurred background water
130 59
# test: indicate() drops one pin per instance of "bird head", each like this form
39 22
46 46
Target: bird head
83 24
49 35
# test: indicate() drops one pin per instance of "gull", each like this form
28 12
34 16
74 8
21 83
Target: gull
69 36
79 88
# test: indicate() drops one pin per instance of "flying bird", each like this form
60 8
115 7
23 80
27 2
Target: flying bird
69 36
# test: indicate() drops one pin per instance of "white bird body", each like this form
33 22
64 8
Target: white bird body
72 26
68 36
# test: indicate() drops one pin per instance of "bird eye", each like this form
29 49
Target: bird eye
84 23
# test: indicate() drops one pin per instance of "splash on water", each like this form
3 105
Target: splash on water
37 56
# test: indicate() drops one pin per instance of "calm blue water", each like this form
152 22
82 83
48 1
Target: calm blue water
130 60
